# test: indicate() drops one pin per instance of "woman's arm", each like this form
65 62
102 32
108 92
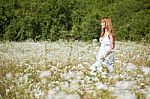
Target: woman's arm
111 42
111 45
100 39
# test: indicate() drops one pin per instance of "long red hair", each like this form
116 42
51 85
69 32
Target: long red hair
108 26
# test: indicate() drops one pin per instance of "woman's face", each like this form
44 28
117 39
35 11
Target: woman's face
103 24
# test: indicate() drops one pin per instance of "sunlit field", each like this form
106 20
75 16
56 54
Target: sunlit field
61 70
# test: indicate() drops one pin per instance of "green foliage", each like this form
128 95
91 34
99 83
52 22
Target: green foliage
58 19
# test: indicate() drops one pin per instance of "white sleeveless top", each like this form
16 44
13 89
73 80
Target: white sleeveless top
105 41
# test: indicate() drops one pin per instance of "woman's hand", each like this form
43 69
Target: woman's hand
100 39
103 58
107 53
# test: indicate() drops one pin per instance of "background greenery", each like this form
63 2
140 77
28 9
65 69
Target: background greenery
63 19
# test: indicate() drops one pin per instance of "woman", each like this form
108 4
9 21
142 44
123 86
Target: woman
105 53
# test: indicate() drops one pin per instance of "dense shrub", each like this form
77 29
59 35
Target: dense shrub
65 19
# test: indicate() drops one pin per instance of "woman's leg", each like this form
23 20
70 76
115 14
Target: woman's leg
98 61
110 61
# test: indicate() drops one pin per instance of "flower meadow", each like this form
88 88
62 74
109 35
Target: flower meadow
61 70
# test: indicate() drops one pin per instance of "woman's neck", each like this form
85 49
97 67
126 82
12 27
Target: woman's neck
106 33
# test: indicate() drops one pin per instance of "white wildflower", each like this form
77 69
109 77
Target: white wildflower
71 96
148 96
26 77
126 95
9 76
93 73
94 40
69 75
130 67
44 81
45 74
146 70
101 86
79 58
39 94
51 94
124 84
64 85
